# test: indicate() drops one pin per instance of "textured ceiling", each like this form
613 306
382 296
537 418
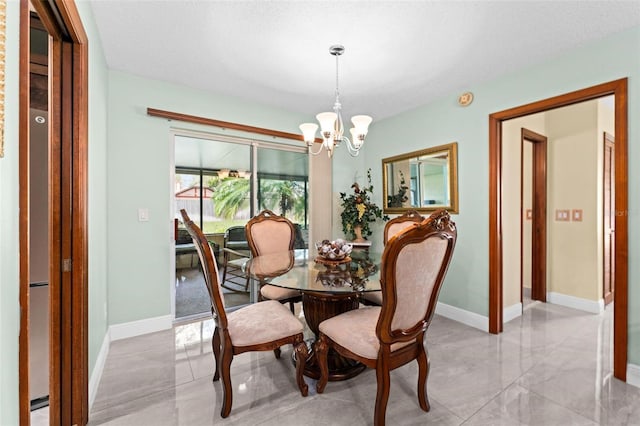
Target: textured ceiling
399 54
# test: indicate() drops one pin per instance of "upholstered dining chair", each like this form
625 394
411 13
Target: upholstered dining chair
262 326
392 227
413 267
269 233
397 224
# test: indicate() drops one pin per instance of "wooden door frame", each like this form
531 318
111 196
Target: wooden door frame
68 107
618 88
539 213
607 138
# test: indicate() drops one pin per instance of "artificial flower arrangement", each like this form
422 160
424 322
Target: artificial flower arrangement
358 211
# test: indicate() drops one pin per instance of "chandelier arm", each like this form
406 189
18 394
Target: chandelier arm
350 148
317 152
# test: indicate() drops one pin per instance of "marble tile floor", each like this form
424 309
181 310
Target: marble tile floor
40 417
552 366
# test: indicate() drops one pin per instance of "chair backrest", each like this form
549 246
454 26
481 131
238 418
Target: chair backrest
271 265
235 237
400 223
209 270
269 233
183 237
414 264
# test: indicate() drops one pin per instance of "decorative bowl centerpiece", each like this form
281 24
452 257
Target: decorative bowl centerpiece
333 252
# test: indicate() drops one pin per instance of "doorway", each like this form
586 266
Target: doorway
534 194
618 88
609 225
66 180
39 210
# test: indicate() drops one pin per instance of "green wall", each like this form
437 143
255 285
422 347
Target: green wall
97 197
9 267
443 121
138 168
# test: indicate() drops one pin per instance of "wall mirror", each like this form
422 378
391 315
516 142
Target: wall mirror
425 180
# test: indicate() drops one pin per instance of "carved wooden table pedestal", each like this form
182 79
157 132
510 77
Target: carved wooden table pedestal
317 308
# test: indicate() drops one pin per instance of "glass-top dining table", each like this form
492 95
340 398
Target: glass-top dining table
328 288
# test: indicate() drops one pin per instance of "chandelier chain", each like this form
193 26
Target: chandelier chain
337 73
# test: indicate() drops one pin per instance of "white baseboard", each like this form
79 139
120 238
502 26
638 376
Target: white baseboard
466 317
137 328
511 312
96 374
593 306
633 375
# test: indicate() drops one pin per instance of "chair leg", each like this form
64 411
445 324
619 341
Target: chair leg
322 350
291 307
225 258
382 395
301 360
215 345
246 285
276 351
227 357
423 374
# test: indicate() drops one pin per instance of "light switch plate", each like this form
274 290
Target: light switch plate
143 215
563 215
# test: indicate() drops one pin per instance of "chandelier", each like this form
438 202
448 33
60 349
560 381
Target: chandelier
331 125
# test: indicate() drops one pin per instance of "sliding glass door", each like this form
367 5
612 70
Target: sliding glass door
283 180
221 183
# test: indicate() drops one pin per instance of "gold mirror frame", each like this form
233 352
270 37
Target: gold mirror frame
398 197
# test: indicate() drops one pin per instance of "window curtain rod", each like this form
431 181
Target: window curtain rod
224 124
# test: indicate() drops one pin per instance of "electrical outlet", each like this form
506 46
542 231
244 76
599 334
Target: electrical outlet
529 214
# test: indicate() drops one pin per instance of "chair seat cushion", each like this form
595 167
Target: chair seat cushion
238 263
261 323
356 331
273 292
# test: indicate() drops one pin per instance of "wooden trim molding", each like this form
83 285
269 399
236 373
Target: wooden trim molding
495 225
23 222
224 124
618 88
620 299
